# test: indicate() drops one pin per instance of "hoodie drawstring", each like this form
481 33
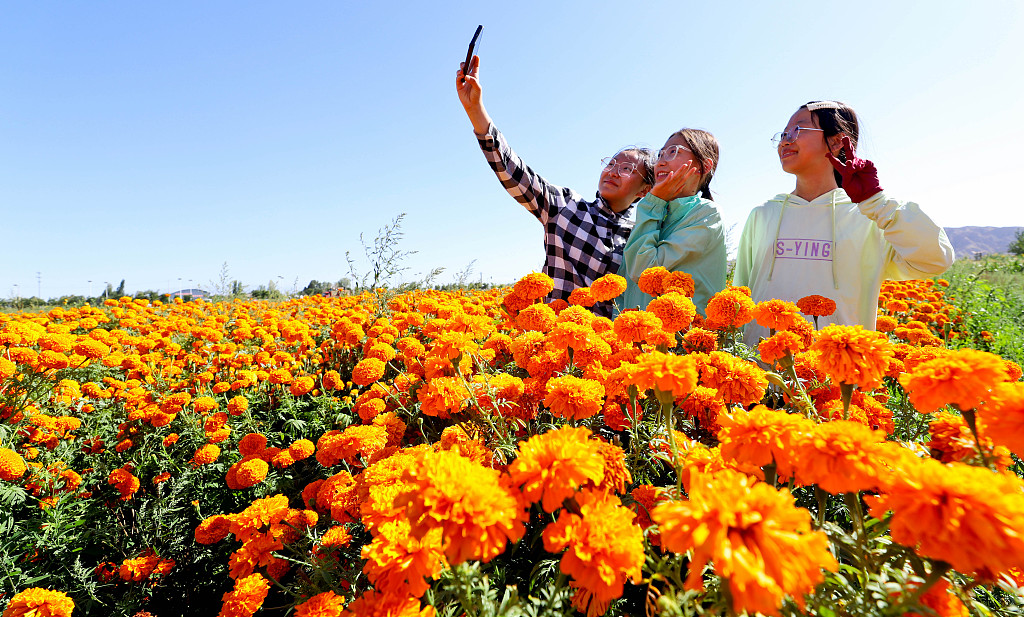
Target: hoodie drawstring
778 227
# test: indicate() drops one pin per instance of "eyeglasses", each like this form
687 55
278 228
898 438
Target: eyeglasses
670 152
623 169
791 135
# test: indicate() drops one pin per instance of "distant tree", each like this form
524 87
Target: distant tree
237 288
119 292
1017 246
315 288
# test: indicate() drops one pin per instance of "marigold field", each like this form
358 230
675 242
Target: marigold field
484 453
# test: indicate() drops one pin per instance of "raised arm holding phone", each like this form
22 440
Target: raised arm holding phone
583 239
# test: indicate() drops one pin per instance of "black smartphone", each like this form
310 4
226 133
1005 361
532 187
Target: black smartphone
472 49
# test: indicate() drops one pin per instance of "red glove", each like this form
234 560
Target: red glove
860 178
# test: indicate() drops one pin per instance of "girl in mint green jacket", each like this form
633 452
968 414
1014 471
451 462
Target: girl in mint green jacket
677 226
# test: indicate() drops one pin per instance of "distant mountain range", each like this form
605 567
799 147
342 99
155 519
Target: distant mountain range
970 240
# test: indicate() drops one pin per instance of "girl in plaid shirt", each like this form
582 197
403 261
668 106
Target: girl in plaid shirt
583 239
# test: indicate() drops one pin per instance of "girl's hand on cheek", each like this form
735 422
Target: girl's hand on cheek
674 185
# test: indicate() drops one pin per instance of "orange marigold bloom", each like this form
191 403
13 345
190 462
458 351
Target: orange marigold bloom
581 296
7 368
754 534
675 311
302 385
608 287
550 467
776 314
246 598
679 282
968 516
963 378
253 443
853 355
884 323
54 359
206 454
636 326
39 602
729 308
652 281
537 317
477 512
12 466
665 372
213 529
367 371
442 396
941 601
301 449
357 440
573 398
373 603
125 483
736 380
703 405
250 472
843 457
605 547
1001 418
534 286
816 306
332 381
779 345
762 436
700 340
326 604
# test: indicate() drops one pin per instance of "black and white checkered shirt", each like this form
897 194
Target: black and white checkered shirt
583 240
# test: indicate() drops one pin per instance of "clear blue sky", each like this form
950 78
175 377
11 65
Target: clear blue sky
155 141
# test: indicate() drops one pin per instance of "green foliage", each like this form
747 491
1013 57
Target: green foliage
1017 245
990 296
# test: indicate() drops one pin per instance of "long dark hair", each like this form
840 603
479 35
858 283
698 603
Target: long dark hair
704 147
835 118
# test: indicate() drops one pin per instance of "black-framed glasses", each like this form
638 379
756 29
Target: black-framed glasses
791 135
623 169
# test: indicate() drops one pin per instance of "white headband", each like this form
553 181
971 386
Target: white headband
823 105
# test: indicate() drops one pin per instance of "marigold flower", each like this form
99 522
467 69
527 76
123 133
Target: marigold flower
1001 418
39 602
7 368
125 483
367 371
762 436
213 529
253 443
326 604
754 534
12 466
651 281
534 286
816 306
779 345
605 547
581 296
301 449
442 396
537 317
842 457
475 509
573 398
250 471
607 287
700 340
665 372
246 597
675 311
636 326
970 517
550 467
302 385
679 282
776 314
853 355
206 454
736 380
54 359
729 308
963 378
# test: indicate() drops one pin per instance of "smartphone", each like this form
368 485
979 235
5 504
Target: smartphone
472 49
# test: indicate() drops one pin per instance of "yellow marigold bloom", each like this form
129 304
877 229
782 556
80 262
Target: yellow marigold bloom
206 454
477 512
779 345
581 296
651 281
816 306
7 368
39 602
605 547
968 516
754 534
246 598
729 308
737 380
853 355
213 529
301 449
367 371
534 286
762 436
573 398
608 287
675 311
1001 418
54 359
636 326
380 350
537 317
326 604
91 349
550 467
12 466
442 396
249 472
205 404
963 378
238 405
